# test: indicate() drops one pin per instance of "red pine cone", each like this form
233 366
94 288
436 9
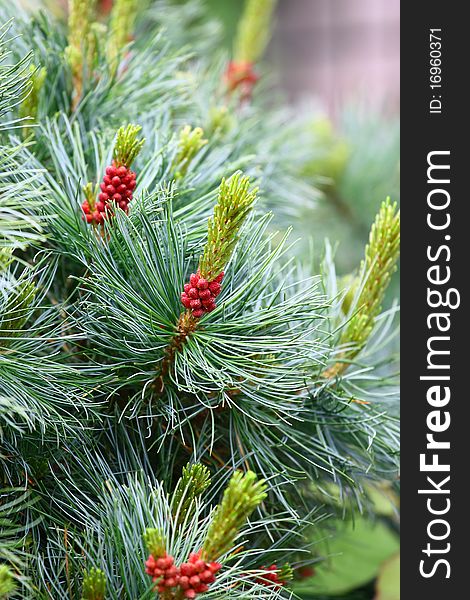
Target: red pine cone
93 215
305 572
163 572
270 578
196 575
105 6
116 189
240 74
199 294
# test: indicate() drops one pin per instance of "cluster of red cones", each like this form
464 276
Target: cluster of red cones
196 575
192 577
271 578
240 75
163 572
199 294
116 190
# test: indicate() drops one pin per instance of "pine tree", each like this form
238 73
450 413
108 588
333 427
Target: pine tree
179 393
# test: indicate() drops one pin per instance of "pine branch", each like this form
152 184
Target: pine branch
108 540
235 200
252 37
108 387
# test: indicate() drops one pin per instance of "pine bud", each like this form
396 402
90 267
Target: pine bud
242 495
81 17
15 310
194 480
190 142
253 33
6 258
240 75
94 585
121 28
235 201
254 30
7 582
29 106
305 572
127 146
199 294
275 578
163 572
155 542
379 264
196 575
104 7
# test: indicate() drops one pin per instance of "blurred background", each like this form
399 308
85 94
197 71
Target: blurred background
337 50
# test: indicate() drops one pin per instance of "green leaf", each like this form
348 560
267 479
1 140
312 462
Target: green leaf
356 554
388 582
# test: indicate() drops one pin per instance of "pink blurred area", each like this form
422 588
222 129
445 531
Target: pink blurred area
339 50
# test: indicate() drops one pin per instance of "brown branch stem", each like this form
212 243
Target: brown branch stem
187 324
